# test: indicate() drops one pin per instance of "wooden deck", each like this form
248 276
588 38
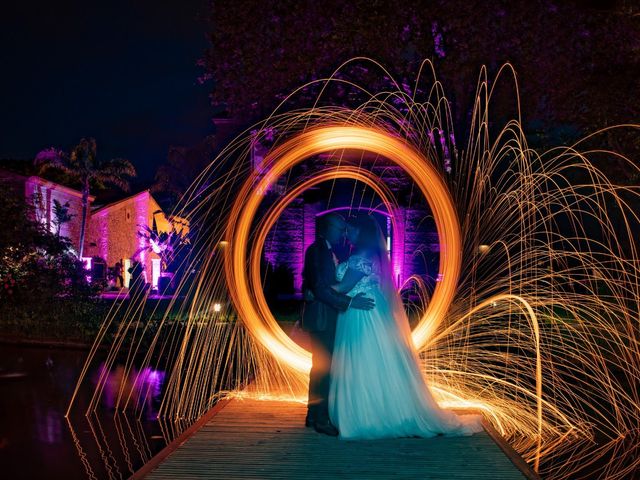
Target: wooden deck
247 438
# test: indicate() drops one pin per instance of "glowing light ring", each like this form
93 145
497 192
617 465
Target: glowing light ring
269 220
247 300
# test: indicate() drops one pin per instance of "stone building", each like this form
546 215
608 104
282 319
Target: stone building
113 234
413 247
112 230
41 195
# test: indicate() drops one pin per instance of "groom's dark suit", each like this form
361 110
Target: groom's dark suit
319 318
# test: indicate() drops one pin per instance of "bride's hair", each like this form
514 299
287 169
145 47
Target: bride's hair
372 240
370 236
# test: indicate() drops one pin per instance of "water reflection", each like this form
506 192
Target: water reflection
119 445
37 441
142 387
48 425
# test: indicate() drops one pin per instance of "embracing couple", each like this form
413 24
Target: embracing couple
365 380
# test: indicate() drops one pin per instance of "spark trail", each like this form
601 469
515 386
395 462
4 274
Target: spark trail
535 321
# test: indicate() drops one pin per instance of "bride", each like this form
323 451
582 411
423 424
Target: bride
377 388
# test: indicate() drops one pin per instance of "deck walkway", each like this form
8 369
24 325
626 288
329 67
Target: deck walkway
247 438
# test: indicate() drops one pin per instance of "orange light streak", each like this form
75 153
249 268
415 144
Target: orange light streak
251 305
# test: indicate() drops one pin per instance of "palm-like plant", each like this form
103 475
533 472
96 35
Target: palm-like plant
168 245
83 165
61 215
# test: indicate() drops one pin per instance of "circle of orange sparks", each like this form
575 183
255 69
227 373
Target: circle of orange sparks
245 287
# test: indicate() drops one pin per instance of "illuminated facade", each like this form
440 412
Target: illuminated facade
41 195
113 234
112 229
413 246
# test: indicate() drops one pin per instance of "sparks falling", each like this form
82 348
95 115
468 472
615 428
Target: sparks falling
535 319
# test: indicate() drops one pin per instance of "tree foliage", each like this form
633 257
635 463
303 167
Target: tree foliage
577 62
84 166
61 215
34 262
171 246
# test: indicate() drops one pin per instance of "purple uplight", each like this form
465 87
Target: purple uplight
141 205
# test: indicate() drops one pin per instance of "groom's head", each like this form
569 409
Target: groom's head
331 227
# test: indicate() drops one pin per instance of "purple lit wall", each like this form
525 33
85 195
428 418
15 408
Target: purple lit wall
141 213
113 231
414 243
398 246
41 194
411 243
285 243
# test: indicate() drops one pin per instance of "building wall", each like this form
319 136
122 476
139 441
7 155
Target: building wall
421 245
114 231
285 242
415 245
42 194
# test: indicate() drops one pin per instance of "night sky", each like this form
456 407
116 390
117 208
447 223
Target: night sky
123 72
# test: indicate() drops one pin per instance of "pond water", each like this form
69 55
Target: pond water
37 441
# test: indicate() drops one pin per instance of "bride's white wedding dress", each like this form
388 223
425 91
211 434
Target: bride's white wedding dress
377 388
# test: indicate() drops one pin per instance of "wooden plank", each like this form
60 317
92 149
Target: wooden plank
181 439
267 439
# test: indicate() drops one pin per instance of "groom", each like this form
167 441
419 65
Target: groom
320 313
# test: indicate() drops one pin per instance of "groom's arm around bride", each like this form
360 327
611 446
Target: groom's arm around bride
319 277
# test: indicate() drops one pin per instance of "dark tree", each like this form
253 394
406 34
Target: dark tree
577 62
183 165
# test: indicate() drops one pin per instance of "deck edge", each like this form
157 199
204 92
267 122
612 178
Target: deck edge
510 452
159 457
